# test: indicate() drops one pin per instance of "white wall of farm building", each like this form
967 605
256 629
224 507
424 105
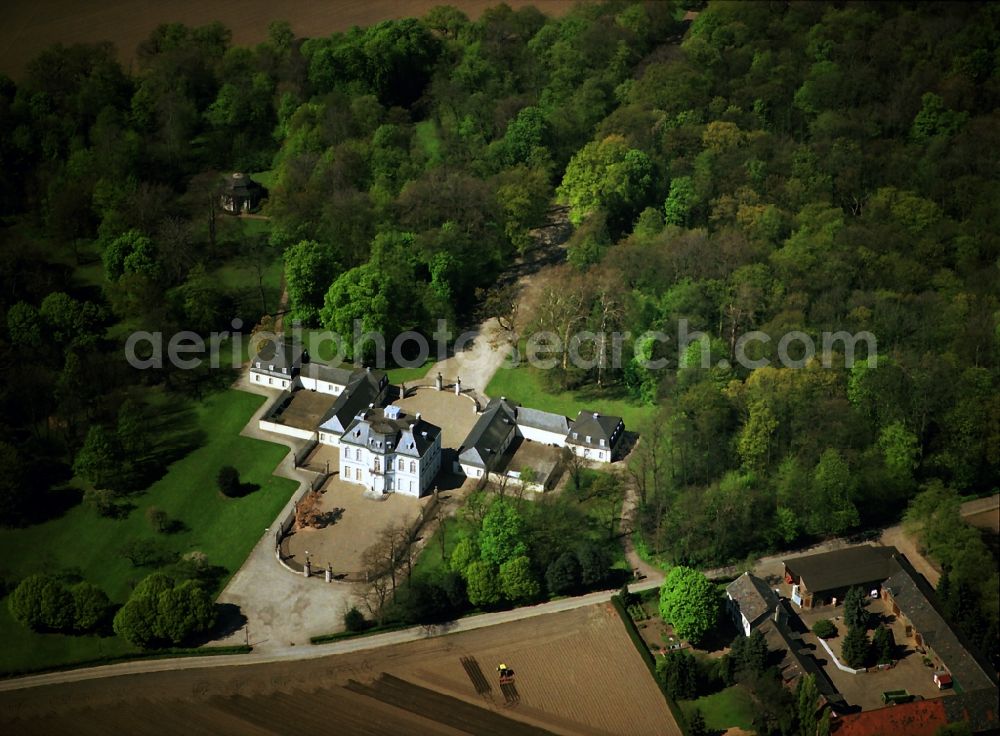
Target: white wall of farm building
269 381
324 387
542 435
302 434
600 455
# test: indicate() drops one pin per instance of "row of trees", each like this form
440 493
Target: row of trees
162 611
46 603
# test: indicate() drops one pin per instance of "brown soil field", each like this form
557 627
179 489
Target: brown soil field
32 25
576 672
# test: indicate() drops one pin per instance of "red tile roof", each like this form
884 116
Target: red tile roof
919 718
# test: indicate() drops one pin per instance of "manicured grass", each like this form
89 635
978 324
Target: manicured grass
398 375
82 542
430 561
525 385
732 707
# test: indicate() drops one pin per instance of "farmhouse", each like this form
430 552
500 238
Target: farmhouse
386 450
488 440
825 578
882 572
750 601
595 436
241 194
504 424
913 602
277 364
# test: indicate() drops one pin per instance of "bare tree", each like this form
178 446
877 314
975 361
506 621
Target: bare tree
563 307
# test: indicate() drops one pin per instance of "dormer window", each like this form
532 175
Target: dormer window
602 443
270 366
575 435
588 438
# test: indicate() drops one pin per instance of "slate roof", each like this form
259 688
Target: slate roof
323 372
406 435
978 708
240 184
544 420
482 445
363 390
797 658
844 568
752 595
596 426
917 601
285 355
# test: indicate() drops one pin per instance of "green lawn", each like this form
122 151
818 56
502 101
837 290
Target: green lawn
525 386
265 178
430 560
82 542
398 375
732 707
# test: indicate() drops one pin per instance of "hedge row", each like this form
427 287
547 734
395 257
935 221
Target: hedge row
173 652
327 638
647 656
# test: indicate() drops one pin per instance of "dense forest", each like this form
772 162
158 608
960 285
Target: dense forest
767 167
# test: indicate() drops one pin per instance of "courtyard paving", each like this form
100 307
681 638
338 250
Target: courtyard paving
456 415
865 688
343 543
305 410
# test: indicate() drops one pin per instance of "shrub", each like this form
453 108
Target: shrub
90 606
157 518
594 563
26 601
678 671
464 553
228 481
563 574
824 628
354 620
518 581
482 585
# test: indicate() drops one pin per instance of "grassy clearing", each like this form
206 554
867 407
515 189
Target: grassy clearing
266 179
525 386
428 141
729 708
83 543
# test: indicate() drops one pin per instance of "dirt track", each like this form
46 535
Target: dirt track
576 672
30 26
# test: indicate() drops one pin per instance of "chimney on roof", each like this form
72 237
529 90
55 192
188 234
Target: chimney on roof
597 414
418 416
412 426
503 398
368 369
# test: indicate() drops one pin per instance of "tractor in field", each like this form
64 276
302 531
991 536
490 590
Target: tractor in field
506 674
